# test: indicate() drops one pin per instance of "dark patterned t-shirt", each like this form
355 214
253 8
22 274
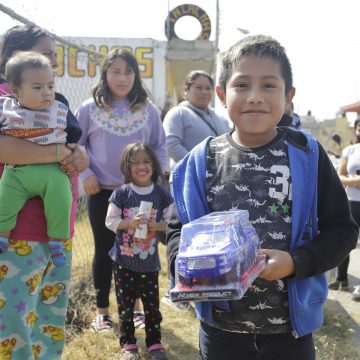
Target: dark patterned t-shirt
257 180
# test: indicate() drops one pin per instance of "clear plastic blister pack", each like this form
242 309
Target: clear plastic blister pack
218 258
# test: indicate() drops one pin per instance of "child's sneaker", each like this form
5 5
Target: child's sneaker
130 352
356 293
139 319
57 253
157 352
102 323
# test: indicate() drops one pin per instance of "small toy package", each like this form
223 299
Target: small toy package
218 258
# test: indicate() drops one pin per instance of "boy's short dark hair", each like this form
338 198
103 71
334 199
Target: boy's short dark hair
259 46
21 62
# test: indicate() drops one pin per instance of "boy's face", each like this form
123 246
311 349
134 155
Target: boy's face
255 100
36 91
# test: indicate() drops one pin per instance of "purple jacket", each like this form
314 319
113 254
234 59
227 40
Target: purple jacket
105 133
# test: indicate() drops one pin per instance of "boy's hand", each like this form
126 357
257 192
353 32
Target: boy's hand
156 226
279 265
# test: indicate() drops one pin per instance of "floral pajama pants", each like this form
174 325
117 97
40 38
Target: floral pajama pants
33 301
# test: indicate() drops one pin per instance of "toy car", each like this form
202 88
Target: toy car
213 255
218 257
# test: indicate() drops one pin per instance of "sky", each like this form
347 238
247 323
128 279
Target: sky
322 37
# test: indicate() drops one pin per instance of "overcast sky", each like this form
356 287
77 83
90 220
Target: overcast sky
322 38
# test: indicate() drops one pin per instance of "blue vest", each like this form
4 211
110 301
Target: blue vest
306 295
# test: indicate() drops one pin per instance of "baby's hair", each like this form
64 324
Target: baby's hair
19 38
193 75
258 46
101 91
22 61
128 153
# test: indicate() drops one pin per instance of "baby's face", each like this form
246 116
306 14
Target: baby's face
36 91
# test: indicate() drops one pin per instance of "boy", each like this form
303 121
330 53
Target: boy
37 114
295 201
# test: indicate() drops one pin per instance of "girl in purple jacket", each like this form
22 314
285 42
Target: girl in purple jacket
119 113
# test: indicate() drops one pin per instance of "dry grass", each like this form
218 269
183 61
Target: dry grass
334 341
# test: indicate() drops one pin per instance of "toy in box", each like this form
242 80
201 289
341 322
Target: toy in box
218 258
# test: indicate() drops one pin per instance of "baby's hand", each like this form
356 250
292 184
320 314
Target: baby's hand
279 265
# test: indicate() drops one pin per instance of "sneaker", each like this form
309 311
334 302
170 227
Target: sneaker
130 352
139 319
181 306
102 323
356 293
339 285
157 352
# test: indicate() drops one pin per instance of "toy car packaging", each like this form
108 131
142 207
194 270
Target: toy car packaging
218 258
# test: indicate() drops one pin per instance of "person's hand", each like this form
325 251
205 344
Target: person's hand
91 185
64 152
279 265
138 219
156 226
356 181
76 161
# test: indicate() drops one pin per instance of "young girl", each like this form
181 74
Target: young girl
118 114
136 255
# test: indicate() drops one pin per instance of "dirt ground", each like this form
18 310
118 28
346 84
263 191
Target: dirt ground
341 302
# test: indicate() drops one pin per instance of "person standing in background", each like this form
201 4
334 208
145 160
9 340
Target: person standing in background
119 113
349 173
186 125
193 120
28 322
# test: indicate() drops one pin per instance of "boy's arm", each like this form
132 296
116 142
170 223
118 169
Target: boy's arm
173 241
338 232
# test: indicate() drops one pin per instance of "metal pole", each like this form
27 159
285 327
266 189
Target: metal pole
217 28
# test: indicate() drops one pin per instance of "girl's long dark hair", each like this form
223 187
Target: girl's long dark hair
18 38
101 92
127 154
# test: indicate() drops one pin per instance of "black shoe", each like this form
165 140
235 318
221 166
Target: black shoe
339 285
